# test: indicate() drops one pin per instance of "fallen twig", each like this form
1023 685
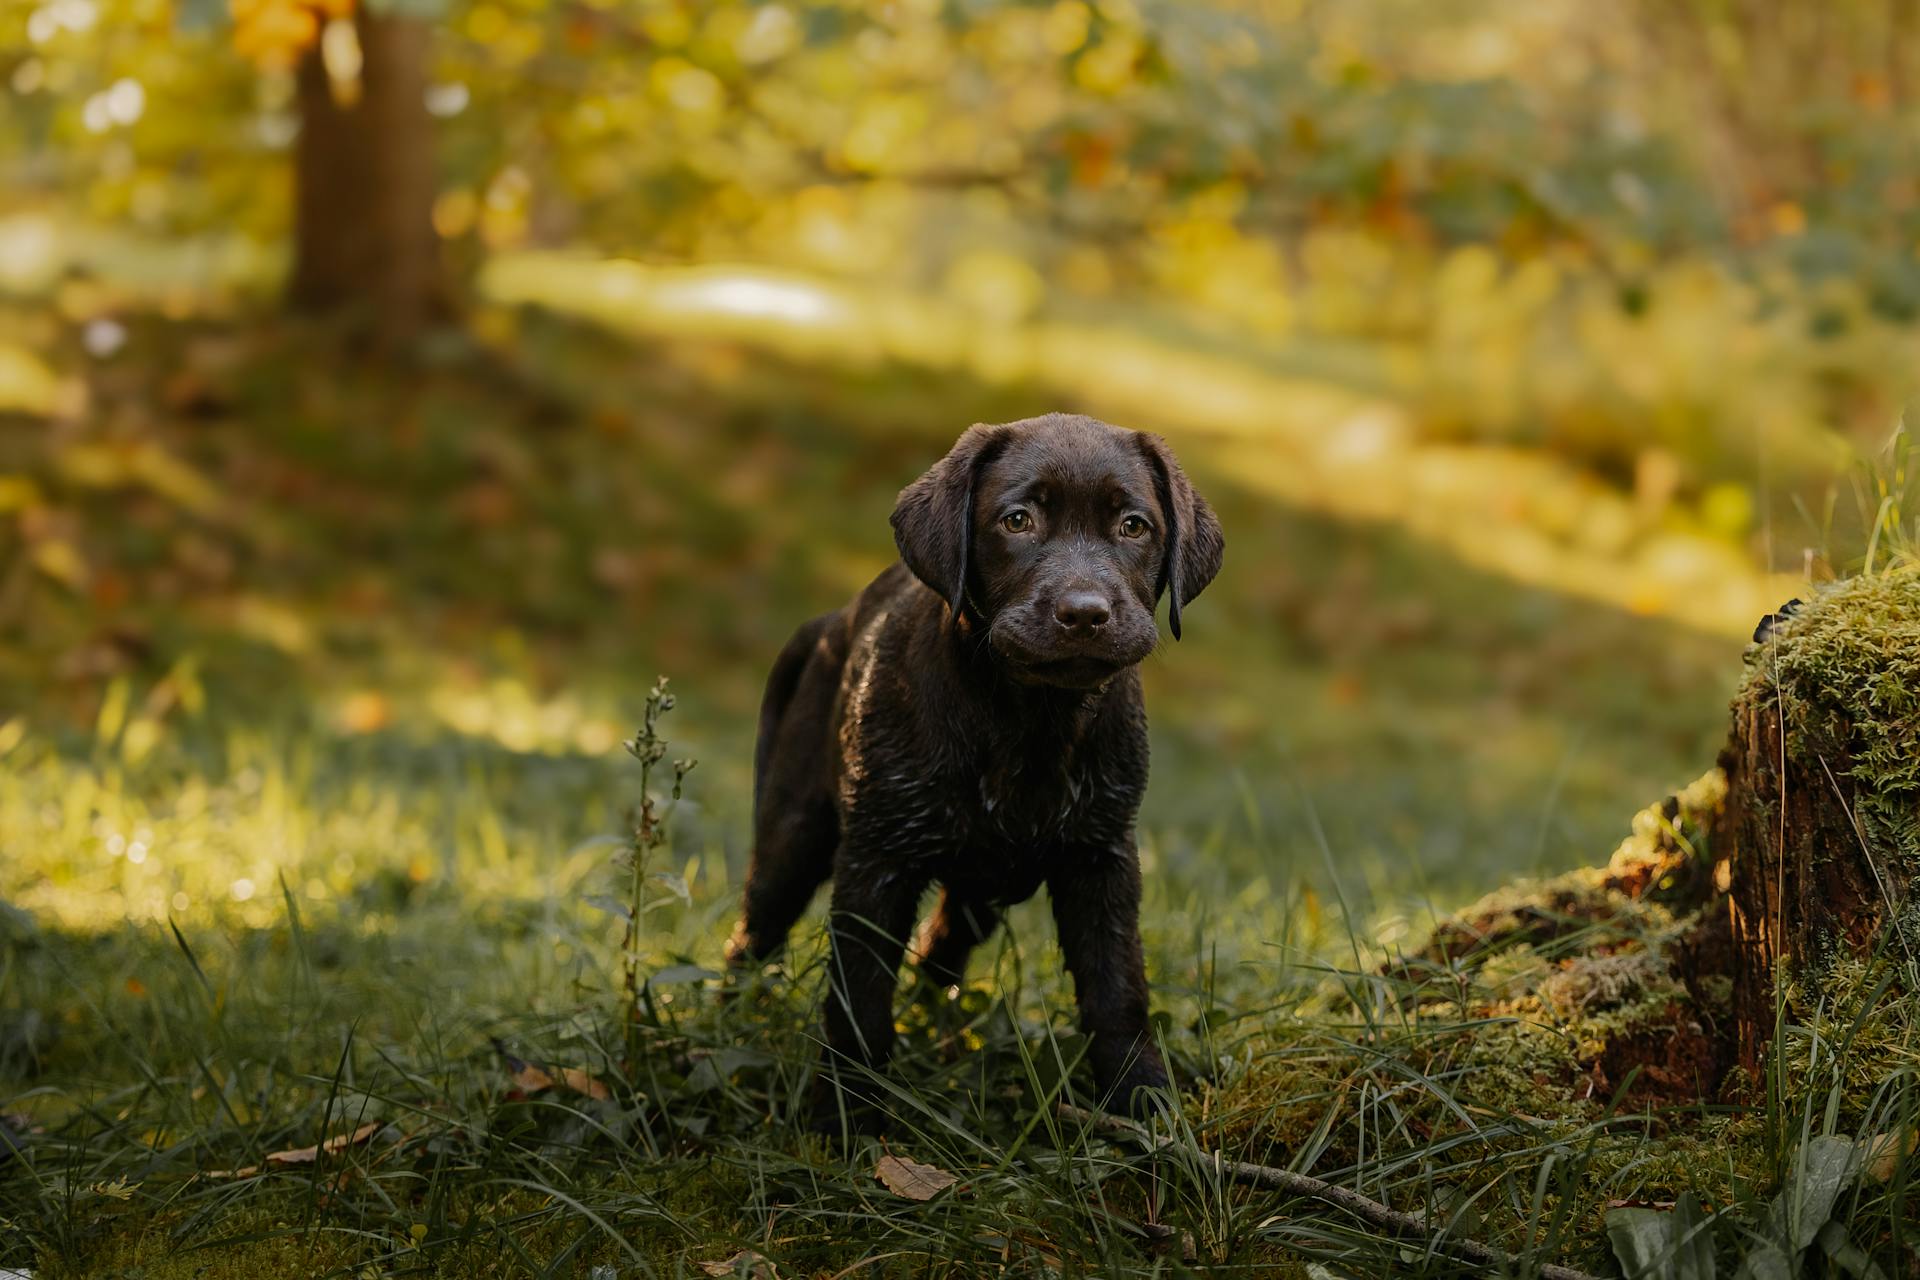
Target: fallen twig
1299 1184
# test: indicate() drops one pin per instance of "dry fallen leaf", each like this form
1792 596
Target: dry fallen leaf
912 1180
531 1079
1882 1152
744 1263
337 1143
303 1155
528 1078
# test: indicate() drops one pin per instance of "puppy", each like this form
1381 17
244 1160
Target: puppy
973 719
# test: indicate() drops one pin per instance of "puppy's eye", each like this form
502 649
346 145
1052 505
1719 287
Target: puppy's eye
1016 522
1134 527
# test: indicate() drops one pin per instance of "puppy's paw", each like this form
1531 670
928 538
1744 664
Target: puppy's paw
1143 1092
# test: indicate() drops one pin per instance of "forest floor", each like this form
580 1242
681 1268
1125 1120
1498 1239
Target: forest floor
319 677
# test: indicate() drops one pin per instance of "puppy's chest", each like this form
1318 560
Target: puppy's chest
1006 810
1027 797
939 780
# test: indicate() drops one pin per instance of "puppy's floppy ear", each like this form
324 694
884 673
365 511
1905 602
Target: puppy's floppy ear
1194 543
933 520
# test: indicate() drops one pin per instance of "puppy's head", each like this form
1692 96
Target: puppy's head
1059 534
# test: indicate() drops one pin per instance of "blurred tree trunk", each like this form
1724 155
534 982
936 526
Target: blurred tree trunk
364 243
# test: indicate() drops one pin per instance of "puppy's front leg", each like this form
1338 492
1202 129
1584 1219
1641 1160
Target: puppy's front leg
872 914
1096 907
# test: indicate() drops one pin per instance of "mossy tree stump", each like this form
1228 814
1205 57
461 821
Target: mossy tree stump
1821 827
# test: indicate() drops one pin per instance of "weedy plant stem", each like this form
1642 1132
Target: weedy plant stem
649 834
1299 1184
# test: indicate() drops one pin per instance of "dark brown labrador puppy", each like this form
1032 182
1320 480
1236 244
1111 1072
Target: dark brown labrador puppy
974 718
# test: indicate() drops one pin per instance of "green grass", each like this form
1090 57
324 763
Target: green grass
315 765
267 1025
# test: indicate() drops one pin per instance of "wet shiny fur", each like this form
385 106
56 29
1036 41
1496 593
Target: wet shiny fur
973 719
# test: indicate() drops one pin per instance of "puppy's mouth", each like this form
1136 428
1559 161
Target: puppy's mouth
1078 672
1069 666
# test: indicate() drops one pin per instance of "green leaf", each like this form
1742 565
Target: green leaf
1768 1262
1848 1256
611 905
674 885
1453 1211
1641 1240
1692 1240
719 1067
1654 1244
1822 1169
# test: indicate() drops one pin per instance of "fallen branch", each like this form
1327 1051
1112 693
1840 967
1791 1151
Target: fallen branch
1299 1184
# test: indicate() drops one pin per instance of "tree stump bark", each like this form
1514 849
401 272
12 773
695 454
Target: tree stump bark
364 179
1822 820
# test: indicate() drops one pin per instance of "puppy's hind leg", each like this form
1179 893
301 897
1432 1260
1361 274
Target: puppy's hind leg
795 826
792 857
956 927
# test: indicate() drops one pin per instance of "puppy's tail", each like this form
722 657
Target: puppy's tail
781 683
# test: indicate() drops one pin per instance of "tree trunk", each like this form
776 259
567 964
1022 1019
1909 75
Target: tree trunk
1822 818
1801 884
365 246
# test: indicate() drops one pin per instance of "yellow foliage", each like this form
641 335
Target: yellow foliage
688 89
61 561
996 285
1065 26
1108 67
883 130
26 384
274 33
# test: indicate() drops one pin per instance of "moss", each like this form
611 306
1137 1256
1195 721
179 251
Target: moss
1527 1067
1587 985
1651 885
1845 670
274 1233
1594 1011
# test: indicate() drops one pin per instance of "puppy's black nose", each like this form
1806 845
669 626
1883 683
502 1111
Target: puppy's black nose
1082 610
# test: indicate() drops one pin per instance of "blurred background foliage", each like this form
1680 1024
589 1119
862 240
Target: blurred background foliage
1597 228
440 367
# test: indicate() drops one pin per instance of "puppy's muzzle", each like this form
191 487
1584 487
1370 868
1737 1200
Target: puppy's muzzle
1082 613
